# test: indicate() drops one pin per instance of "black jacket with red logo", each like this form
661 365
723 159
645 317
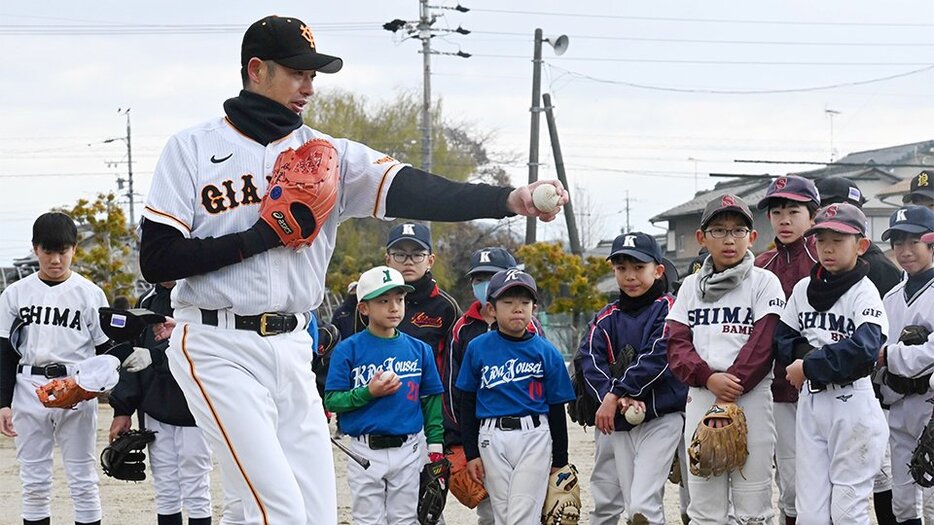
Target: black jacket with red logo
430 314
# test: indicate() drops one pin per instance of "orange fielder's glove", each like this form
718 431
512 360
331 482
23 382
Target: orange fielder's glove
63 393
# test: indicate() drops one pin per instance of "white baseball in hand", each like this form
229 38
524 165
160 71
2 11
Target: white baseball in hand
634 415
388 375
545 198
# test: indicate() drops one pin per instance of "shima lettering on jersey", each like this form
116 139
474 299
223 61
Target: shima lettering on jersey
61 321
223 195
357 360
860 304
514 377
721 328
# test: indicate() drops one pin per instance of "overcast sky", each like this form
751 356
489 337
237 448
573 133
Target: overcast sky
644 89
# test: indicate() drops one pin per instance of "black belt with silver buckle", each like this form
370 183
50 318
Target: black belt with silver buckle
514 423
380 442
264 324
49 371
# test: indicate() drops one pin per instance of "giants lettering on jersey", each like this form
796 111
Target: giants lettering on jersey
841 327
363 374
214 200
734 320
512 370
51 315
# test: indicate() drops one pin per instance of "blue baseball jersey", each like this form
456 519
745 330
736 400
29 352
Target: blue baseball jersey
359 358
514 377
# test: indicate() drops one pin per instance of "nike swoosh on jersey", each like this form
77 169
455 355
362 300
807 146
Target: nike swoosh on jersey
218 161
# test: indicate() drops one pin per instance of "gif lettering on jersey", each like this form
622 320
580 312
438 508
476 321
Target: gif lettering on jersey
492 376
363 374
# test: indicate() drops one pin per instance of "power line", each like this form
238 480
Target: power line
706 20
714 62
673 89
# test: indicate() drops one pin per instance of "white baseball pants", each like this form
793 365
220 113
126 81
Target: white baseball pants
907 418
785 456
180 460
387 492
604 483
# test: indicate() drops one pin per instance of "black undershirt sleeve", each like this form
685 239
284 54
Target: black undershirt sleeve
166 255
470 425
558 426
419 195
8 361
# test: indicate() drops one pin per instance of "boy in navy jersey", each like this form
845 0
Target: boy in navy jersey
386 388
514 386
625 364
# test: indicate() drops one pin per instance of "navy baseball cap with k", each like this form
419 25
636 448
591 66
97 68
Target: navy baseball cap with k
491 260
287 41
640 246
725 203
791 187
508 279
910 219
842 217
410 231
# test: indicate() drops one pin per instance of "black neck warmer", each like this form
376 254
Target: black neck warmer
825 288
262 119
634 304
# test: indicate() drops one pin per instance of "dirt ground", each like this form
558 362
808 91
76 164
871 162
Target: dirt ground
132 504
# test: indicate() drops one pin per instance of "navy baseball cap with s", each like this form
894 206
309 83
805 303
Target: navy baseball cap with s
842 217
640 246
287 41
910 219
410 231
726 203
508 279
791 187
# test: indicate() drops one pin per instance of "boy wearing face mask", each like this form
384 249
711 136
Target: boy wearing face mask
476 321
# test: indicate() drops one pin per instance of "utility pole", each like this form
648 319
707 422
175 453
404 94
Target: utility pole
423 30
831 113
130 194
560 44
628 225
569 218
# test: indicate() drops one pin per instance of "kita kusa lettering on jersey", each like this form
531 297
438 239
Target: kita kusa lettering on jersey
51 315
492 376
363 374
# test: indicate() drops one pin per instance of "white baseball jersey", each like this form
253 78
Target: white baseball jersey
62 323
916 360
209 182
860 304
720 329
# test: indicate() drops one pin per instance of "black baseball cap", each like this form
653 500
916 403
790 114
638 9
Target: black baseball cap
910 219
725 203
491 260
791 187
640 246
921 184
841 217
410 231
287 41
836 189
508 279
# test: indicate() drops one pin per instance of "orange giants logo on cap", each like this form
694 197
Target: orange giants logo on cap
307 35
780 183
831 211
727 200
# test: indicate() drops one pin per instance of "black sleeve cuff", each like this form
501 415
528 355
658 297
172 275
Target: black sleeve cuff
558 426
8 361
419 195
470 425
166 255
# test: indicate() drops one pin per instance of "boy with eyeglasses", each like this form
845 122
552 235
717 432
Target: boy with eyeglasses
720 344
430 313
792 203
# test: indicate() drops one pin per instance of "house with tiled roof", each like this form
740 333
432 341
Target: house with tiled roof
879 173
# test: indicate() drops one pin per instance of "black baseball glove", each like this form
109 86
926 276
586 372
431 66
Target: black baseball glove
921 466
914 335
433 491
124 458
